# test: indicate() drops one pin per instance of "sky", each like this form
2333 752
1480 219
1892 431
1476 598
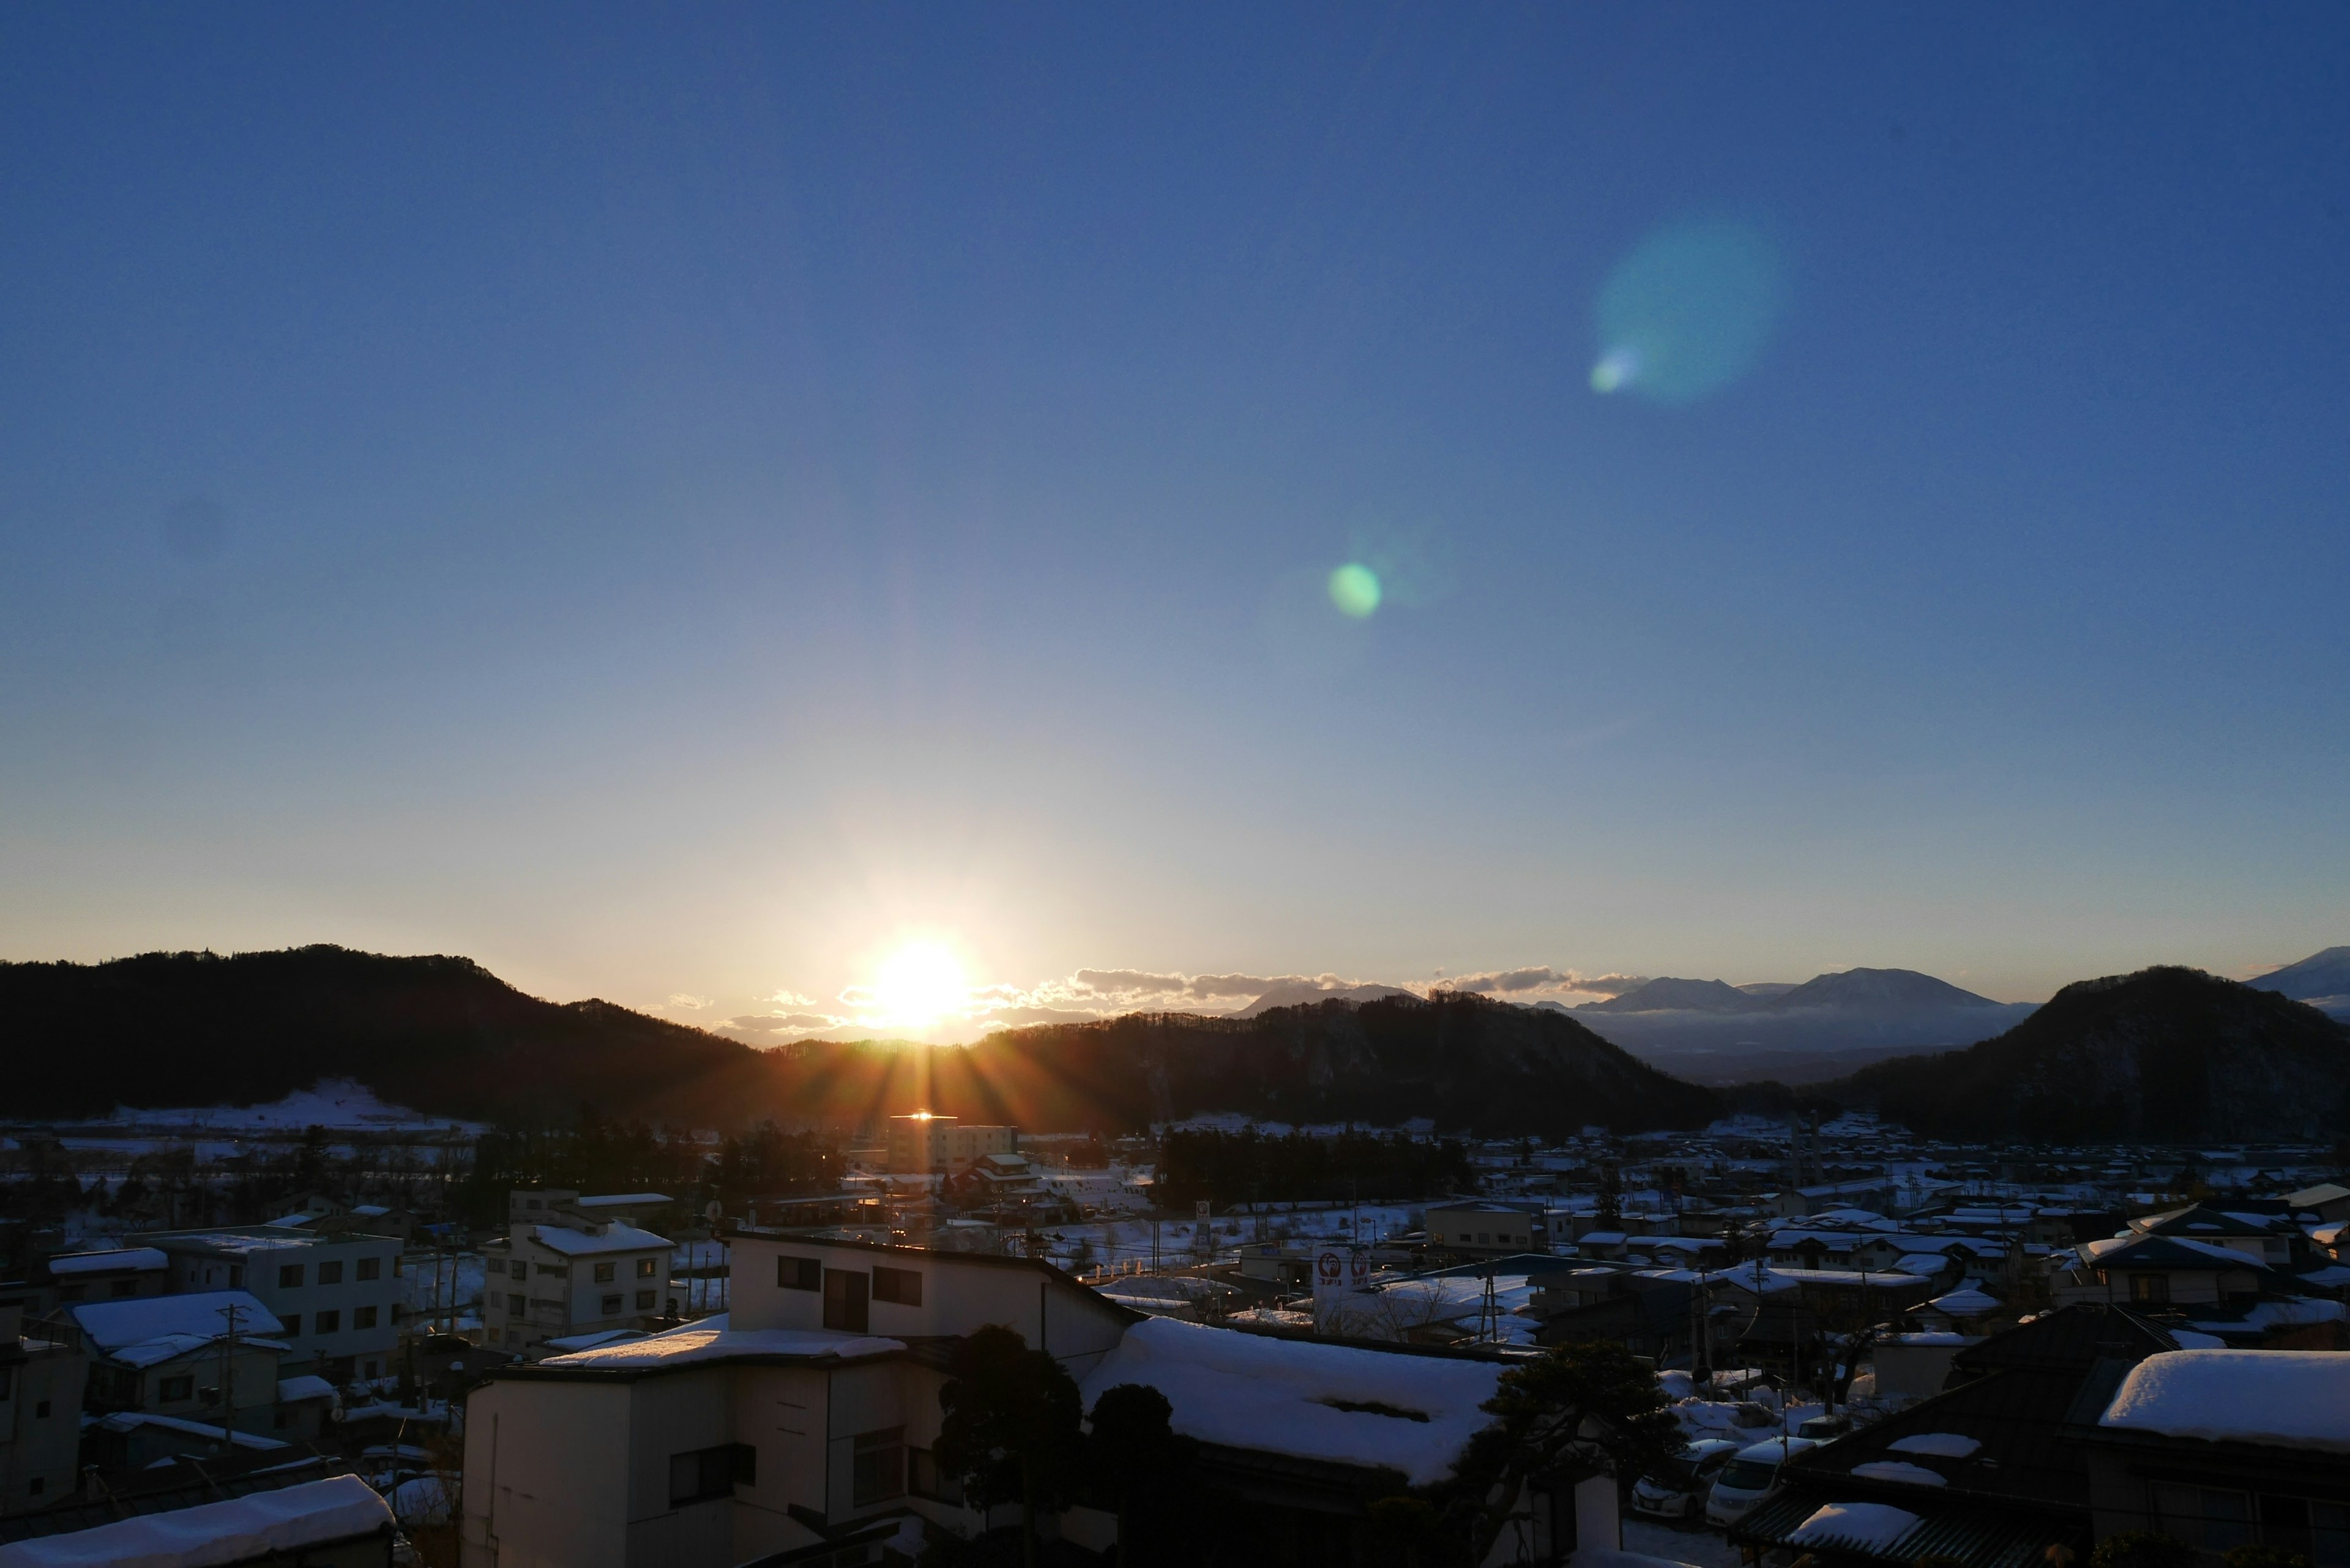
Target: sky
808 515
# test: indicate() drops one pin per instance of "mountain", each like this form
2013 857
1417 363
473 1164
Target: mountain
1670 996
2322 980
1306 994
446 1036
1720 1033
1768 987
2165 1053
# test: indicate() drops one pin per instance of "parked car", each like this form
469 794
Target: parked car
1823 1428
1750 1477
1679 1492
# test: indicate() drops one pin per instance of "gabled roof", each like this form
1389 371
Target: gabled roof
144 1330
2170 1253
2199 1221
2070 1339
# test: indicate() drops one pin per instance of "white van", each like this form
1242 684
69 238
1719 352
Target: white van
1749 1479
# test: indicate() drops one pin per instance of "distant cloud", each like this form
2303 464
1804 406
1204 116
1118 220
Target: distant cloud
1543 978
690 1004
1101 991
789 998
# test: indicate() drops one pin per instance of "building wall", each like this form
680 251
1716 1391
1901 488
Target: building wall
1505 1231
257 1269
576 1295
40 1421
546 1476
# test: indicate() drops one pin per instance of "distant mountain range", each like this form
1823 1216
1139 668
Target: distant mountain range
2322 980
2165 1053
1723 1034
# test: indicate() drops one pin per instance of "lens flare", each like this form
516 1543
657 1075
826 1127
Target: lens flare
1354 590
1689 312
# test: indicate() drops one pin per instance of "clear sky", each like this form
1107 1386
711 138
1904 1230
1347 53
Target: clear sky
682 504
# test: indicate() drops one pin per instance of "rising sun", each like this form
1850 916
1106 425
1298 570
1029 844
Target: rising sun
919 984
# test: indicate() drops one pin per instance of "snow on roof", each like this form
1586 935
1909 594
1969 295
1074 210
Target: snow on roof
269 1237
570 1342
615 1238
1870 1527
1925 1265
144 1330
619 1199
1600 1557
1936 1445
1900 1470
126 1420
1285 1395
293 1221
293 1390
2295 1399
2152 1246
1965 1302
263 1524
139 1258
710 1339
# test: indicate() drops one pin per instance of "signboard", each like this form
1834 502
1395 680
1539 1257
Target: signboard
1199 1210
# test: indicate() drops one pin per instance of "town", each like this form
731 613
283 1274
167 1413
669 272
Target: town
1222 1341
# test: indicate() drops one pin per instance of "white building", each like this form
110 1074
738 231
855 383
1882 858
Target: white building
922 1143
336 1297
806 1419
571 1276
41 1378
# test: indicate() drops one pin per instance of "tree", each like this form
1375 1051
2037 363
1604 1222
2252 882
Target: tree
2253 1555
1011 1429
2142 1549
1134 1451
1590 1404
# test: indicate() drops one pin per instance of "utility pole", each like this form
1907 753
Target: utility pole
228 1379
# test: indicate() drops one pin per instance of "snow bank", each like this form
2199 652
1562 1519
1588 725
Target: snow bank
1284 1396
712 1339
1936 1445
215 1533
2291 1398
1871 1527
1897 1470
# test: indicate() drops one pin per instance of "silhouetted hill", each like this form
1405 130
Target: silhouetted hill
2165 1053
448 1037
1667 994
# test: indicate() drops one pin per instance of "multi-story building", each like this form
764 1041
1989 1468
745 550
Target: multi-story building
41 1373
336 1296
566 1274
1489 1226
922 1143
109 1275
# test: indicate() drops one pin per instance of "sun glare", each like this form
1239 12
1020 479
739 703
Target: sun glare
919 984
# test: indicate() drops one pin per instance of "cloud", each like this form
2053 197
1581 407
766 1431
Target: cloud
1541 978
768 1022
1101 991
789 998
690 1004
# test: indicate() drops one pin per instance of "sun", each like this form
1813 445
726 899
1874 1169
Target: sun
919 984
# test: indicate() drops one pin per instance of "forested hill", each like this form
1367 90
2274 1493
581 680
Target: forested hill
448 1037
2165 1053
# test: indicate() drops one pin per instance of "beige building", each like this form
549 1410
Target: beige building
922 1143
335 1298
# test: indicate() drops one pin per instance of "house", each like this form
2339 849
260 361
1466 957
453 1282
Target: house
566 1275
335 1298
2329 1201
804 1421
336 1523
1483 1226
42 1368
2222 1448
108 1275
1870 1192
2154 1272
181 1372
922 1143
2266 1240
1980 1475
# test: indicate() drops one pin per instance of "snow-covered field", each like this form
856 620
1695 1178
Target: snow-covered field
330 1102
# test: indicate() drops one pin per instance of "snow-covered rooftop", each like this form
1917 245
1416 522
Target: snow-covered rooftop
1285 1395
292 1390
710 1339
143 1260
1900 1470
263 1524
1936 1445
127 1420
1870 1527
619 1199
1965 1302
2288 1398
144 1330
615 1238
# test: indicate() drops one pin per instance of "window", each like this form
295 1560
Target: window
281 1418
560 1271
2150 1287
1484 1238
532 1203
844 1291
604 1273
331 1273
289 1276
923 1480
72 1293
1464 1235
236 1276
41 1410
518 1269
174 1389
799 1273
497 1302
703 1474
363 1317
647 1268
329 1323
37 1485
611 1306
903 1287
125 1288
644 1300
293 1322
370 1269
879 1470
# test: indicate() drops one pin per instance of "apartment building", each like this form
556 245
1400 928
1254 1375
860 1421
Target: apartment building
567 1275
336 1298
923 1143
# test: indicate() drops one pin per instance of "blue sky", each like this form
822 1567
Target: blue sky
684 503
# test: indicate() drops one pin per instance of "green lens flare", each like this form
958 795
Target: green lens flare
1354 590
